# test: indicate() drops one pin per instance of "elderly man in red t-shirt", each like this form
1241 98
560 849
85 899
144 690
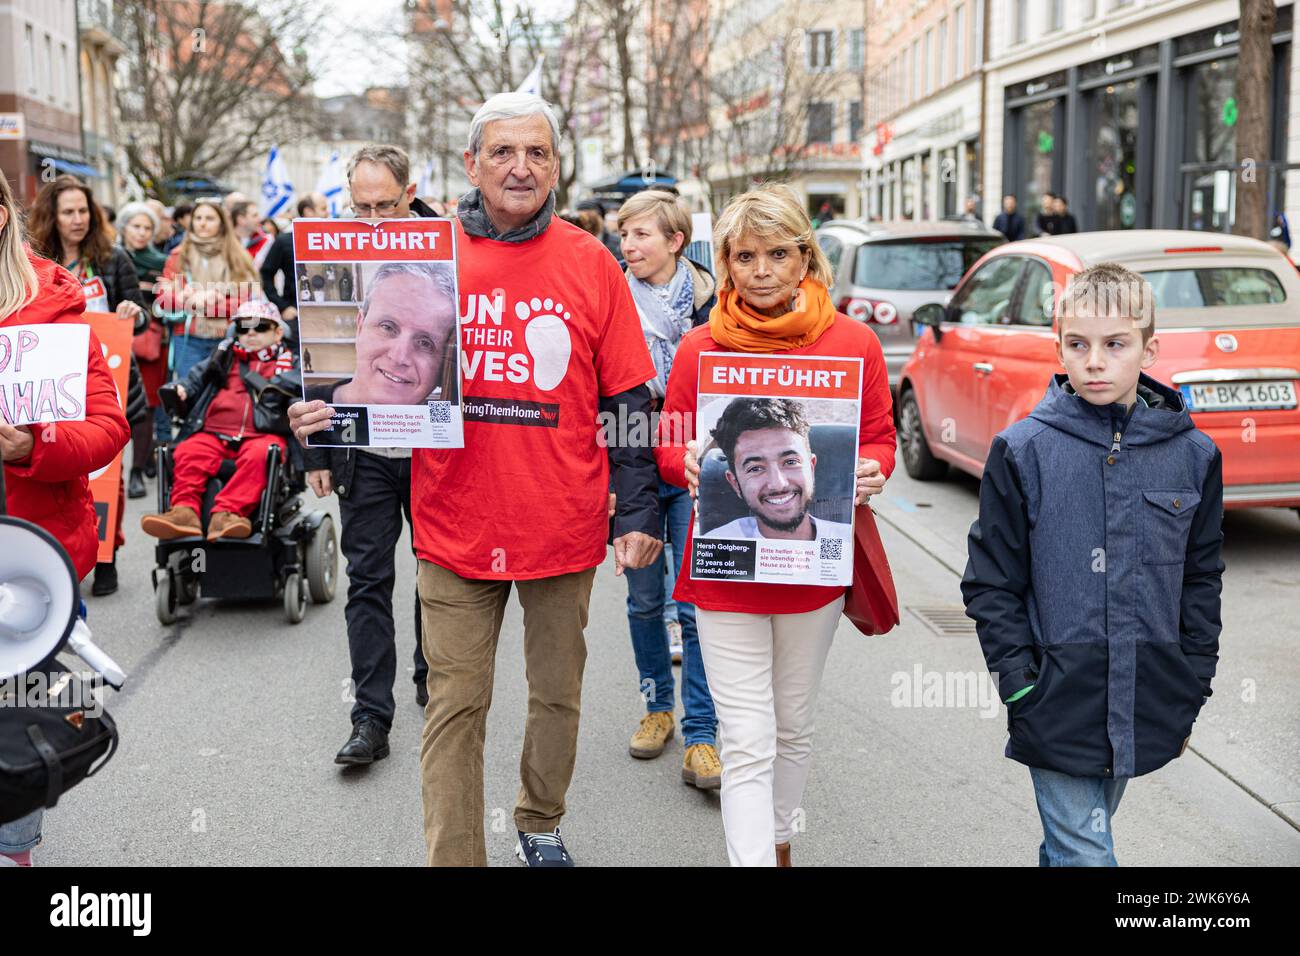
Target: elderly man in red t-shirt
550 339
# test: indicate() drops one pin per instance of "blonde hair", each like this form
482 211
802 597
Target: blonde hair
669 211
238 263
1108 289
769 212
18 282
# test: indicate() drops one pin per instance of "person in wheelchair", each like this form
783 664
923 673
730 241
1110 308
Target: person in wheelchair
236 406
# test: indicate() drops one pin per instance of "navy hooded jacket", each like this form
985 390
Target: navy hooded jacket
1094 574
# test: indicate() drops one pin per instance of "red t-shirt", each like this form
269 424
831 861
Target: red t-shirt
845 338
548 326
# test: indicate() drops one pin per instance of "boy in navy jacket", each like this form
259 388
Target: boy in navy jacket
1094 569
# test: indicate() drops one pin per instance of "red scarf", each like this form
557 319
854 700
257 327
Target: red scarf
281 356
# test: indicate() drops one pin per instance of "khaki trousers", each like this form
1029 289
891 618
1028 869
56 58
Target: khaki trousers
462 623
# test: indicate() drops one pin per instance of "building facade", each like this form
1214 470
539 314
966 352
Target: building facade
1128 108
101 47
40 112
786 82
921 159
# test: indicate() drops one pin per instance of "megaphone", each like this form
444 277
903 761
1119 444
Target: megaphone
39 601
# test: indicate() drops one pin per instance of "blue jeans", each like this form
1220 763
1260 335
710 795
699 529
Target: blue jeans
670 582
645 617
188 351
23 833
162 425
1076 814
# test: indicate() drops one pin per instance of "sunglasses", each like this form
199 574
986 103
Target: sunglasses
266 325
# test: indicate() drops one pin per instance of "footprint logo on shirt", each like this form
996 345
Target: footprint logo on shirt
547 338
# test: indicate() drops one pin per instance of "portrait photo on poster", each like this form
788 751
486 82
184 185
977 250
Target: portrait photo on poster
378 335
775 501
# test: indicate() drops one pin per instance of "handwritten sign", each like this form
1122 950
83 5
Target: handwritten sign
43 373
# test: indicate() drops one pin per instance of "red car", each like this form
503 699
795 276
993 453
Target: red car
1228 321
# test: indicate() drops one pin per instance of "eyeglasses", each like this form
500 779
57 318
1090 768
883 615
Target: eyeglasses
371 210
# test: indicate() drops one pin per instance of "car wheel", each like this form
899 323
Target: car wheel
917 458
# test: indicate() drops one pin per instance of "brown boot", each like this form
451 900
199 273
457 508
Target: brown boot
227 524
783 854
180 522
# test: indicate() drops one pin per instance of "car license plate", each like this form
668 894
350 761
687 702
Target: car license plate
1238 396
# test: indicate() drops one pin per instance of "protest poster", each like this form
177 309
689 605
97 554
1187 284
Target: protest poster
114 336
378 335
778 451
43 373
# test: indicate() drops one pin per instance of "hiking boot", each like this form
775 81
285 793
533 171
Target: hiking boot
227 524
702 768
655 731
179 522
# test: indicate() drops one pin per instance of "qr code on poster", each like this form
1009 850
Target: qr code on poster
440 413
832 549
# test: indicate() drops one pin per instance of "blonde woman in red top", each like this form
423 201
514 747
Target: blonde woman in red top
765 645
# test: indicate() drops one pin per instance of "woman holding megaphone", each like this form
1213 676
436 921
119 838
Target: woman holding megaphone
46 466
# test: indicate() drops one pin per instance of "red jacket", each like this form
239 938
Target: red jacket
50 487
205 326
876 440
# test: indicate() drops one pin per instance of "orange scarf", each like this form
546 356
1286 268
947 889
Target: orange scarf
734 325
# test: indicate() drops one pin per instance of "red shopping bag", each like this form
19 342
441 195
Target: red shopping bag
871 602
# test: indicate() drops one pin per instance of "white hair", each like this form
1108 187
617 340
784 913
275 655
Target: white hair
439 275
511 106
133 209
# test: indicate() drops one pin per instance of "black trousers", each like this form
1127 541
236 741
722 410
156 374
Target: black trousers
372 524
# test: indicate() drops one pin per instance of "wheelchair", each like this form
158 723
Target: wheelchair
291 554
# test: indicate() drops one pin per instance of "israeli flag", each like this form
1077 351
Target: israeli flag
276 188
425 188
331 183
533 81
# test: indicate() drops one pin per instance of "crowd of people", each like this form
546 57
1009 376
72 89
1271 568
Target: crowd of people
210 293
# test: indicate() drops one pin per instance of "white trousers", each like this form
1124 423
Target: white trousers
764 671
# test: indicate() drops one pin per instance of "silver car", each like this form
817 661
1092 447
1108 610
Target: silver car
884 270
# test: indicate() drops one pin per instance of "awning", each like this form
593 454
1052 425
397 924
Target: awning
76 169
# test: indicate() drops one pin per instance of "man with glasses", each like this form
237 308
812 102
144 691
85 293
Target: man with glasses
374 489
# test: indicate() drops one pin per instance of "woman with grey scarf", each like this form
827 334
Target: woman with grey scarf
672 294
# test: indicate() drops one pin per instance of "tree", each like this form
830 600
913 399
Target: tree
1254 129
485 47
208 84
769 104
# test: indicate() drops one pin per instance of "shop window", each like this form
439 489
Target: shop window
1038 152
1116 115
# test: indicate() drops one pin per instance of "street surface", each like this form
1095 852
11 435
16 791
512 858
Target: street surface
231 719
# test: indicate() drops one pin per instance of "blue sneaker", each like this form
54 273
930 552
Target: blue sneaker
542 849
